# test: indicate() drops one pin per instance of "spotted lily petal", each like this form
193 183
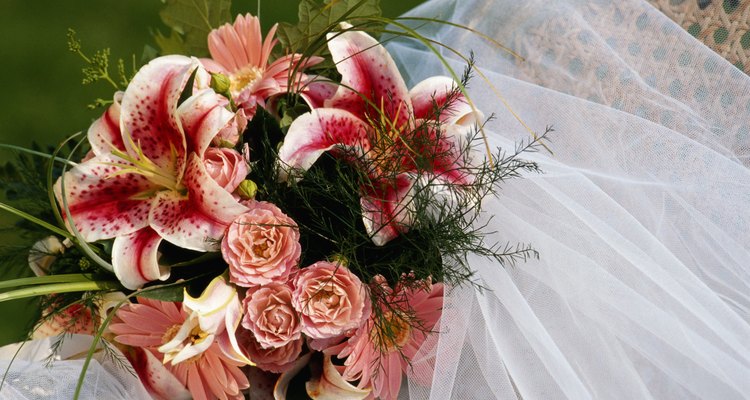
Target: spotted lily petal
318 131
135 258
104 134
158 381
149 118
196 220
371 84
103 201
203 116
385 209
436 92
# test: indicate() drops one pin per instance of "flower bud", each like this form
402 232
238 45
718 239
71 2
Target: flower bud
247 189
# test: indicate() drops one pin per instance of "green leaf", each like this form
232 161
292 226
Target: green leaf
172 44
191 21
167 293
316 19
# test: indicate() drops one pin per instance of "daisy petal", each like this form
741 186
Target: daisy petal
135 258
195 221
103 201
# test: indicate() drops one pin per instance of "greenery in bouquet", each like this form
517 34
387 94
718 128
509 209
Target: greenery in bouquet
254 210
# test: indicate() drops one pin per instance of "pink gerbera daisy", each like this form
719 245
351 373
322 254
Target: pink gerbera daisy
151 323
380 351
240 52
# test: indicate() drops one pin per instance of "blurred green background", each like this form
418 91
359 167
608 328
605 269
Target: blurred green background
43 99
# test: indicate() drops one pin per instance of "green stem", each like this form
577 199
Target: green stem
42 280
34 152
36 220
42 290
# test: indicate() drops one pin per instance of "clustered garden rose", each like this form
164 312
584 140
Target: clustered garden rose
270 316
330 299
261 246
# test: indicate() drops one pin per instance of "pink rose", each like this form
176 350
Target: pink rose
270 316
230 134
261 246
226 167
277 359
330 299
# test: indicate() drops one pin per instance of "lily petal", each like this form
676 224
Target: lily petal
157 380
317 90
385 210
104 134
332 386
135 258
203 116
318 131
282 384
103 201
370 80
149 120
435 92
211 306
195 221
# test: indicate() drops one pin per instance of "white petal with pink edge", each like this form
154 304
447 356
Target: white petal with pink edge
431 95
135 258
203 116
369 78
149 121
386 211
159 382
316 132
330 385
104 134
103 200
196 220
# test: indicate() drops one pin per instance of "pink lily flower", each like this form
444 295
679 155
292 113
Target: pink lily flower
390 132
240 52
147 181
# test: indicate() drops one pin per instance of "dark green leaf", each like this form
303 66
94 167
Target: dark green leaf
316 19
191 21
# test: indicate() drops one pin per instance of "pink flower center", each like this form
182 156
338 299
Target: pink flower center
196 336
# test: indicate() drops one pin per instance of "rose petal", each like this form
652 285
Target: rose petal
103 201
195 221
135 258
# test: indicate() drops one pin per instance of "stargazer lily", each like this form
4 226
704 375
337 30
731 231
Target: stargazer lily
147 181
394 135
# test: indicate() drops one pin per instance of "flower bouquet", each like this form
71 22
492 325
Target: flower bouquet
275 215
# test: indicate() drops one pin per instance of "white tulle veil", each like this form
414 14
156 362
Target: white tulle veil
641 219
